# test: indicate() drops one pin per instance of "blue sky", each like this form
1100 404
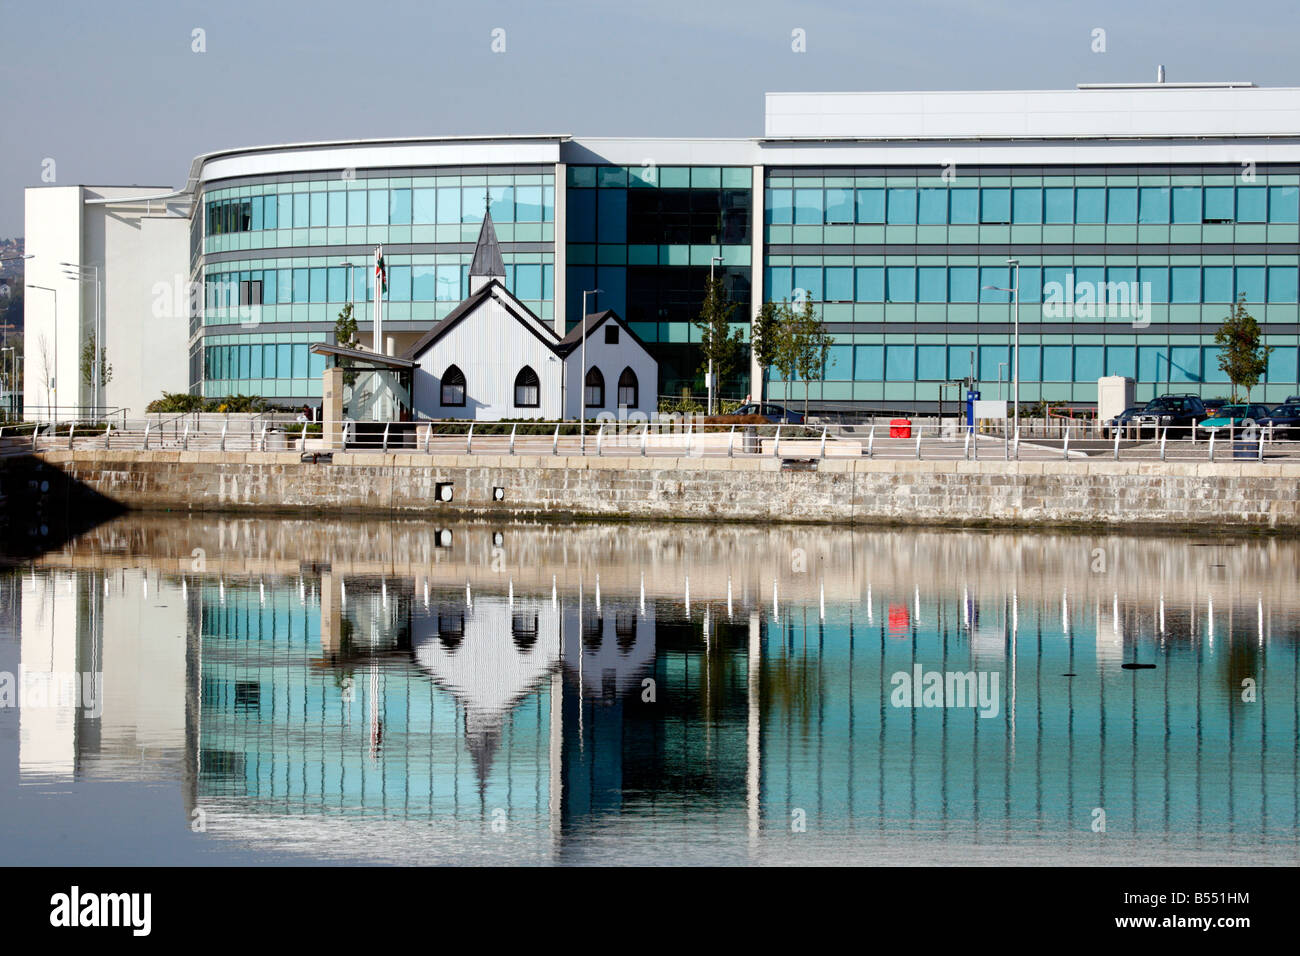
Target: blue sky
114 94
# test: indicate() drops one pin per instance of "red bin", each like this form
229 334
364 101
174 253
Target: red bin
900 428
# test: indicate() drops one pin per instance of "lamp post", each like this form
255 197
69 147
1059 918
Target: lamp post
12 365
52 385
81 273
582 422
1015 346
712 261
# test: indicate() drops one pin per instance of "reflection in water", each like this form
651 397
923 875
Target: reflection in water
622 693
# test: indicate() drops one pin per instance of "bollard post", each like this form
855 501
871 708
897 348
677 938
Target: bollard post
645 435
224 425
918 441
871 441
1212 434
822 453
1066 448
776 445
385 445
600 439
512 438
72 427
469 438
146 436
185 438
555 442
428 437
731 443
1164 437
1117 444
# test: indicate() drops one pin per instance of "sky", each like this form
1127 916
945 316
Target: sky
115 94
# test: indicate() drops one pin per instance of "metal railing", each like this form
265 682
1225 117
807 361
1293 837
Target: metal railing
661 439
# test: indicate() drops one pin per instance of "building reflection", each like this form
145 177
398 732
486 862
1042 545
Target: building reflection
328 708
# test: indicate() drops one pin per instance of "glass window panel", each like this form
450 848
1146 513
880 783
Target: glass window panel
1058 363
473 201
612 220
399 209
1250 280
1218 284
1121 204
839 284
1185 284
1058 205
964 206
839 363
284 361
502 203
1121 287
300 287
932 208
582 215
999 277
1252 204
901 209
318 209
870 281
337 284
317 285
779 283
268 285
378 201
423 206
839 205
399 283
449 283
900 363
256 222
1087 283
990 358
1185 363
1282 284
931 284
809 279
780 207
1155 283
528 204
1187 204
315 365
284 286
931 363
1121 360
1027 204
1153 204
449 204
528 281
356 207
1218 204
270 207
548 204
301 210
423 283
808 207
1089 362
338 208
871 205
1031 284
1282 204
1282 365
963 284
995 205
1090 204
900 284
868 363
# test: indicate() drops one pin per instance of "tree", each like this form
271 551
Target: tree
765 341
782 348
811 345
88 358
1242 356
720 343
345 328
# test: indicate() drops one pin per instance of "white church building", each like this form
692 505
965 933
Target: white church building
492 358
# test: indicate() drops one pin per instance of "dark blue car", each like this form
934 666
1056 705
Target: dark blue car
1285 420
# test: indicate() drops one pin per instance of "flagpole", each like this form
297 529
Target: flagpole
378 342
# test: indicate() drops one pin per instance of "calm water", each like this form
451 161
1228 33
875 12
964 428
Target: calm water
306 691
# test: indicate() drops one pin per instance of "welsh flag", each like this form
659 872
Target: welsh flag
381 272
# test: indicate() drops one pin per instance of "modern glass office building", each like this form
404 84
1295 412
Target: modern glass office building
1136 216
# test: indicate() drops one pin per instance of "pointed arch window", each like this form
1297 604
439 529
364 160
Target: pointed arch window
595 388
528 390
453 387
627 389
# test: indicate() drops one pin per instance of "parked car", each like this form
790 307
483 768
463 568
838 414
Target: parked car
776 414
1121 420
1285 420
1232 416
1212 405
1175 412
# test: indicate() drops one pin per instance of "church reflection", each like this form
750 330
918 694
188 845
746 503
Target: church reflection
339 704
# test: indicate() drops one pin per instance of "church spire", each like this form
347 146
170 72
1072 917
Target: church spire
487 263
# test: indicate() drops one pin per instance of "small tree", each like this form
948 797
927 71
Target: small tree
719 342
811 346
782 348
1242 356
88 364
345 328
765 341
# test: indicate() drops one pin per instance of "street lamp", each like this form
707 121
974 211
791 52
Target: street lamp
52 384
711 262
77 271
582 426
1015 347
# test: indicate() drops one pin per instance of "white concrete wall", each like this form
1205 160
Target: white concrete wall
53 232
490 347
145 257
611 360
